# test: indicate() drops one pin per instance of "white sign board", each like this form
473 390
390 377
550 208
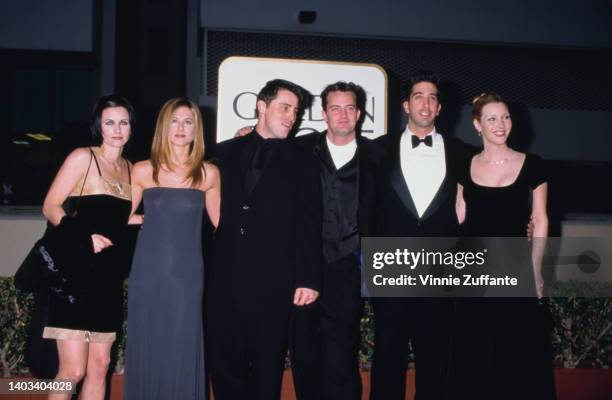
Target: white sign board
241 78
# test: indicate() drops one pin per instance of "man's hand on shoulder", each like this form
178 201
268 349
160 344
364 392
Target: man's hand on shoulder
244 131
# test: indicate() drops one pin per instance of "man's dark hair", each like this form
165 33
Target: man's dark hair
418 78
342 86
270 91
102 104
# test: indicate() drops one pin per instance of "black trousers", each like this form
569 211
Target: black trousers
246 353
325 337
426 323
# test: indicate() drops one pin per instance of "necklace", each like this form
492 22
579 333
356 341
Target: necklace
114 188
500 161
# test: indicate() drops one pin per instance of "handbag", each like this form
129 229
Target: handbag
30 275
40 271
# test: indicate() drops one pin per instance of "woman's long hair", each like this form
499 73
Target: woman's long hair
161 151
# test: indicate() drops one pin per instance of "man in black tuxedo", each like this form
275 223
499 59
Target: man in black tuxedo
267 250
416 198
326 336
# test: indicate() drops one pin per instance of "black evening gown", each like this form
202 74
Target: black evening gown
165 347
502 346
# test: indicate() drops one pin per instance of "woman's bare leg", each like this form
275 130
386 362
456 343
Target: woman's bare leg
97 367
72 363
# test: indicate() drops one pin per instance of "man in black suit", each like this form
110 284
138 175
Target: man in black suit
267 249
416 198
326 336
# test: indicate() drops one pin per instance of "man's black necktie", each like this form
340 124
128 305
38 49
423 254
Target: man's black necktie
427 140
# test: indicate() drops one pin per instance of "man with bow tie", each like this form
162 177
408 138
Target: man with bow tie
416 198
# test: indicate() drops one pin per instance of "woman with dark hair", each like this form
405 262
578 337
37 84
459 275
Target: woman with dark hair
505 340
90 198
165 345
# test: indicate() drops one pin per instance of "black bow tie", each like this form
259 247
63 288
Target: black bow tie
416 141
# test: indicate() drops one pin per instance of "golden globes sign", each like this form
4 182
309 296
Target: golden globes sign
241 78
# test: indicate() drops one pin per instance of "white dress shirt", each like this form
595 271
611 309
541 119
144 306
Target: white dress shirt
423 168
341 155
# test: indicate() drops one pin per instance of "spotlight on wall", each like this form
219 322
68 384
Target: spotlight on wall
307 17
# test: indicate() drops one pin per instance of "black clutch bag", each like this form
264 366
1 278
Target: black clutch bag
28 277
41 270
37 269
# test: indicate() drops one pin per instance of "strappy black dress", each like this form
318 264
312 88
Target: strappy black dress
99 279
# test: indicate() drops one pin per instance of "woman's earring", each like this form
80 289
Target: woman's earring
478 133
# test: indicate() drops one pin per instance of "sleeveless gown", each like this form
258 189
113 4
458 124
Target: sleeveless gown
165 347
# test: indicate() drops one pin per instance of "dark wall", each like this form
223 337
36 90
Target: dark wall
149 61
560 96
581 23
65 25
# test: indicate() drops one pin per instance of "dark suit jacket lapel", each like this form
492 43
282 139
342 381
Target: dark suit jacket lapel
398 182
367 186
364 169
321 151
445 188
246 154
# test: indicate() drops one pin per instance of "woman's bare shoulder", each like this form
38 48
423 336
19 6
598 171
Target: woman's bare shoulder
212 175
211 169
79 156
142 172
143 167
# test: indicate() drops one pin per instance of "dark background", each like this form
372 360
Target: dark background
551 59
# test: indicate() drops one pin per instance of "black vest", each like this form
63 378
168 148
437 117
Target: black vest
340 203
